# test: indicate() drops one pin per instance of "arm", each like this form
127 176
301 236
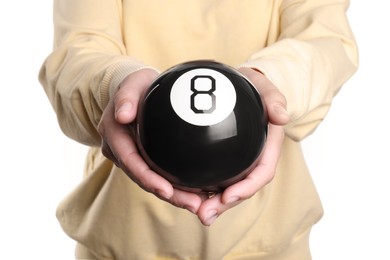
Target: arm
314 54
94 88
308 62
87 64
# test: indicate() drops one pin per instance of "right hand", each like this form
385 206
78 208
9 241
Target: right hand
119 146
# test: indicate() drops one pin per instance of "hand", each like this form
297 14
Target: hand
118 145
264 172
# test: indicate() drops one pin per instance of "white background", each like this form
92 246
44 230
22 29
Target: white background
348 154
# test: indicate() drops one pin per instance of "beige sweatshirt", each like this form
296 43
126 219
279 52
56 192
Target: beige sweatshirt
305 48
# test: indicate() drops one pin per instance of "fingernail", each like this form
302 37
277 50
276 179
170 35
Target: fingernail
232 199
190 208
125 107
281 110
162 194
211 217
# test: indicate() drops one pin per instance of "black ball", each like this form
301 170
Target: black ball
201 125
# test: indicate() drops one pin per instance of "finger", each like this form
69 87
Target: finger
141 174
212 208
245 189
187 200
126 155
107 152
264 171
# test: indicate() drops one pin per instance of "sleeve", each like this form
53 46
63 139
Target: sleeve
87 63
314 55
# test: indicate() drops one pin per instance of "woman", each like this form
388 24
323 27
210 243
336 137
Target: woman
296 53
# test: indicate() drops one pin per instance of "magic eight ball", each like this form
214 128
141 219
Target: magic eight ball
201 125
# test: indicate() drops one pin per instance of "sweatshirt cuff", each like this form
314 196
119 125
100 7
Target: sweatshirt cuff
114 76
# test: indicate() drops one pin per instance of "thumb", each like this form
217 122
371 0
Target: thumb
274 101
129 93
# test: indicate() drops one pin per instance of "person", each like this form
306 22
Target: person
297 53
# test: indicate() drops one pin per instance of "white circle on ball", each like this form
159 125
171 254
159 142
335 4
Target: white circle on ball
203 97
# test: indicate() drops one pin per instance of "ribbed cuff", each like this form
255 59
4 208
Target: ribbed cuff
115 74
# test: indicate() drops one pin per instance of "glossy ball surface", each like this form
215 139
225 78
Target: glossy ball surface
201 125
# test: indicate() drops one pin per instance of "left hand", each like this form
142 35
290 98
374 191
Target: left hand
264 172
